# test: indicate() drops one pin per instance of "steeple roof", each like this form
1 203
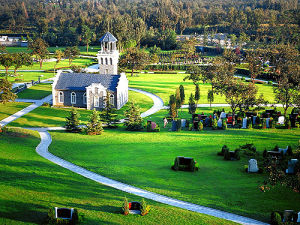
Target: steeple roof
108 37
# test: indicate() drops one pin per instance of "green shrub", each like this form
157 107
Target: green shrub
265 153
176 164
276 218
200 125
289 151
46 104
149 129
227 155
144 208
224 124
249 123
237 154
224 148
125 207
215 124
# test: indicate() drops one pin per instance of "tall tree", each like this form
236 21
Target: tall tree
172 106
197 93
39 50
86 36
6 60
182 95
254 63
210 96
59 55
71 53
192 104
133 59
21 59
287 73
6 94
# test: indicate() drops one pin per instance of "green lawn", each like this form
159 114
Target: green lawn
48 117
62 63
30 185
144 159
11 108
164 85
38 91
93 50
27 76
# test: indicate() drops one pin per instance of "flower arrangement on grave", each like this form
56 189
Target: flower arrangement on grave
125 207
144 208
200 126
214 124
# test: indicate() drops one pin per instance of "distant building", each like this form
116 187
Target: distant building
91 90
12 41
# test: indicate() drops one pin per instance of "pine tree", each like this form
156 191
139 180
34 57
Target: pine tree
197 93
134 120
172 106
192 104
94 127
182 95
108 115
6 94
125 207
72 121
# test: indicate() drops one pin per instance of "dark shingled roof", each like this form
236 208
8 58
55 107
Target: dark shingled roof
79 81
108 37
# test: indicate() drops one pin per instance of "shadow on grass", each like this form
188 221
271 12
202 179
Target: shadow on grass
21 211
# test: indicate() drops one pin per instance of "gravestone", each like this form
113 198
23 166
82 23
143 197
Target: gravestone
291 166
268 122
174 125
288 215
252 166
223 115
183 122
134 207
281 120
284 150
254 120
64 213
220 123
244 123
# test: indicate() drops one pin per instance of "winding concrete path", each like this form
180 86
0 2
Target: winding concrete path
42 150
36 104
158 103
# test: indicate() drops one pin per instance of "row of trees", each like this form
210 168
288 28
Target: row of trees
39 51
239 95
72 23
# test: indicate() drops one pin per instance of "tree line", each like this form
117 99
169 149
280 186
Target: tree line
151 22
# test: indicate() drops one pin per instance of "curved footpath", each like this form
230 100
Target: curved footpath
42 150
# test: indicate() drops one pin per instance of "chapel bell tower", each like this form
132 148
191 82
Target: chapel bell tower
108 56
